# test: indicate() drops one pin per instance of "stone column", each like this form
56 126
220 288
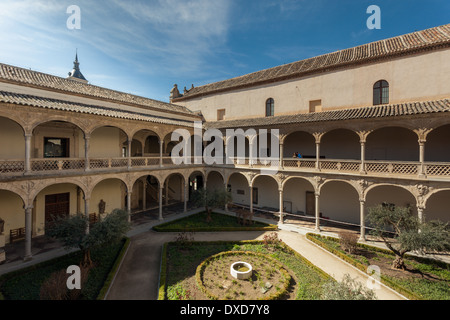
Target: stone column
317 211
420 210
251 198
87 139
317 155
161 146
186 194
226 190
422 172
280 191
28 232
362 209
28 153
129 153
363 157
144 194
86 212
129 205
161 190
281 164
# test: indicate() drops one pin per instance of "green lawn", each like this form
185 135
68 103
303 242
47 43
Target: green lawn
25 284
220 222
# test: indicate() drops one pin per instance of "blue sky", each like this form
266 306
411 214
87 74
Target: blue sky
144 47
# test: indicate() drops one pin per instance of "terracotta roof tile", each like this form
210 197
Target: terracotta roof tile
46 81
372 112
47 103
434 37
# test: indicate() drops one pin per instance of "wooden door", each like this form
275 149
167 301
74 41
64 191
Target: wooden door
310 203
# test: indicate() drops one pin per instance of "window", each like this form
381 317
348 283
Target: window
381 92
56 147
315 106
220 114
270 107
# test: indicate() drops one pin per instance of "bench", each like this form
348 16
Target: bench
16 234
93 218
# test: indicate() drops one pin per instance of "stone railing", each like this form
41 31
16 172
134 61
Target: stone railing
17 167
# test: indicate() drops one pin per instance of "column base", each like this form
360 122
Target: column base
27 258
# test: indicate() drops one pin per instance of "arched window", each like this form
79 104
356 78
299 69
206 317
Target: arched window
270 107
381 92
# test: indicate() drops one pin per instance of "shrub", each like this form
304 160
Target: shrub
347 289
55 287
348 241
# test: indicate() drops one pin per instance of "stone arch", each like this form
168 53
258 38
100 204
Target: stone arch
108 141
267 187
340 143
405 197
437 204
12 211
387 143
339 201
12 144
437 147
307 147
298 192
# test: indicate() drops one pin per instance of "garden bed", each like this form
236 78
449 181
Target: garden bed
220 222
181 263
25 284
424 279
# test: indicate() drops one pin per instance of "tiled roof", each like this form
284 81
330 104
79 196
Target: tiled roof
404 44
55 104
42 80
373 112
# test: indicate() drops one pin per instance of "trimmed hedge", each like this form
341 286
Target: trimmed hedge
171 226
316 239
113 271
205 263
163 274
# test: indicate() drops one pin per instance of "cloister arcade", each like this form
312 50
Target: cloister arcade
345 169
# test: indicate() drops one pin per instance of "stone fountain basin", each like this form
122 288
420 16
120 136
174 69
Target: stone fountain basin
241 270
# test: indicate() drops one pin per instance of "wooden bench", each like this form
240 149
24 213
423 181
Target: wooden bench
16 234
93 218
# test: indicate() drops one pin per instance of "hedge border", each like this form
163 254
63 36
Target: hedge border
114 269
160 228
314 238
163 273
202 266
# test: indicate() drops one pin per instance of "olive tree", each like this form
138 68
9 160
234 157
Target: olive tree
408 232
72 232
211 199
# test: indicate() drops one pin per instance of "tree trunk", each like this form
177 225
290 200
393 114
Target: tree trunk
399 263
208 215
87 262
